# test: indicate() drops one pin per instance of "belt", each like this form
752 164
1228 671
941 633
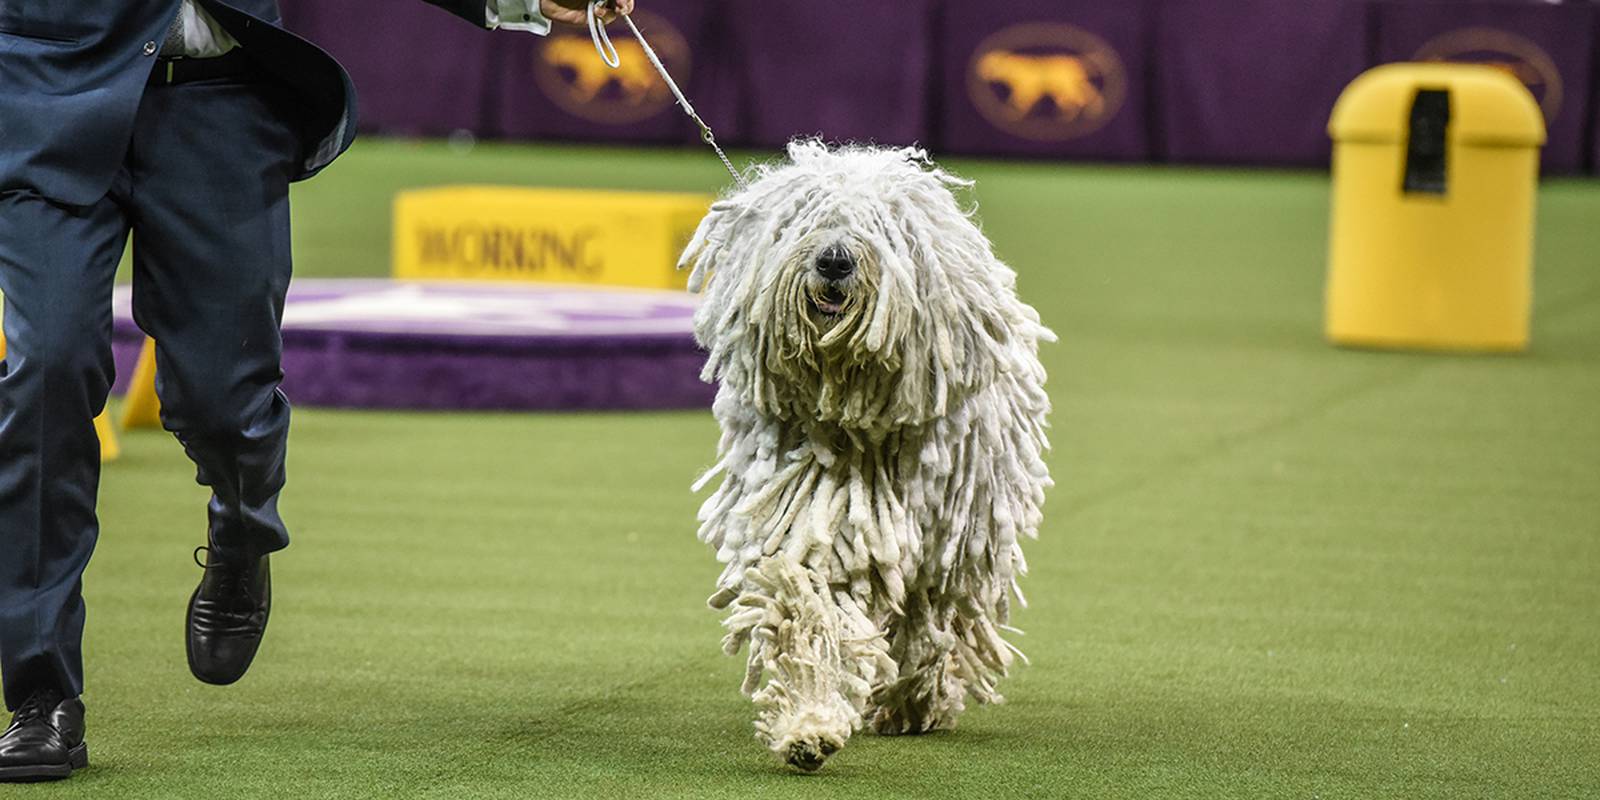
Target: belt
179 69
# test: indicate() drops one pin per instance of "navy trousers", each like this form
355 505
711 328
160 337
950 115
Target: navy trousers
204 191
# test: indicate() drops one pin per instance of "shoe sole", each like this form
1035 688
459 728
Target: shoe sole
77 758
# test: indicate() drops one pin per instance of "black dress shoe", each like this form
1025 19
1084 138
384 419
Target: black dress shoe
227 616
45 740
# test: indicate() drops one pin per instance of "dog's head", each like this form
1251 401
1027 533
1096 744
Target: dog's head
848 285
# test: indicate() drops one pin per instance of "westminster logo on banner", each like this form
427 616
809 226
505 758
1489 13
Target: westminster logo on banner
1046 81
1519 56
572 75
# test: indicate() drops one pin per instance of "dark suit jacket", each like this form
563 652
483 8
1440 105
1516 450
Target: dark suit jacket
72 73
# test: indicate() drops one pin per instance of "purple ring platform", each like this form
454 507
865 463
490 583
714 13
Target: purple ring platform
476 346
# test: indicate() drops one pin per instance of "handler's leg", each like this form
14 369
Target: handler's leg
57 264
211 163
56 269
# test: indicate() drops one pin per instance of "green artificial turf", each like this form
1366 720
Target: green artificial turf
1271 568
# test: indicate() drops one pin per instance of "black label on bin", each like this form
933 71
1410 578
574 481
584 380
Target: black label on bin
1426 162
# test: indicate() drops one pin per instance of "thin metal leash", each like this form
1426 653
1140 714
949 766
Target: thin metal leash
608 54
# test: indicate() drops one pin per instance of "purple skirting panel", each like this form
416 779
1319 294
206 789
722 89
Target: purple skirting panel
363 370
1192 81
437 373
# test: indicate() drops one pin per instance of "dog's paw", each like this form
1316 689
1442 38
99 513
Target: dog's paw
809 754
807 739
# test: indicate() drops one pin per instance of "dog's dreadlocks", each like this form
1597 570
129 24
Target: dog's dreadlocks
882 454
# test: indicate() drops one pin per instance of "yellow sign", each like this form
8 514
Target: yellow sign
503 233
1046 82
570 74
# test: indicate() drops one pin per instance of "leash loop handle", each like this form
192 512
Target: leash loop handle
601 39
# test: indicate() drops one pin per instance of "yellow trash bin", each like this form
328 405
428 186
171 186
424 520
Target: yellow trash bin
1435 170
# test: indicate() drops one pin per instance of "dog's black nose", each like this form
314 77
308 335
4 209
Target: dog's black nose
835 263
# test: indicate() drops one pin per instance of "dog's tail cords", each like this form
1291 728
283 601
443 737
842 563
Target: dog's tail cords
608 54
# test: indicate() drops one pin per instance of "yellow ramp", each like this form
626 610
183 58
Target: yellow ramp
141 408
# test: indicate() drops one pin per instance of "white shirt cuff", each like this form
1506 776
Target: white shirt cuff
516 15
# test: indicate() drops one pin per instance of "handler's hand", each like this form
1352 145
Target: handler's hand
575 12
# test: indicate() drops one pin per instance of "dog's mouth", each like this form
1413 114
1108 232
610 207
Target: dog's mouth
829 300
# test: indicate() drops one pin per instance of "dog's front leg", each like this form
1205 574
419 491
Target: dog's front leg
819 657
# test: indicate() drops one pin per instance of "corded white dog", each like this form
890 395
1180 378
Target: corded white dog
883 426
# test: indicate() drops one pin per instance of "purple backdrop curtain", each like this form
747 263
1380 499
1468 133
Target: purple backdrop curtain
1253 81
1246 81
1550 47
557 87
1046 78
855 72
418 71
